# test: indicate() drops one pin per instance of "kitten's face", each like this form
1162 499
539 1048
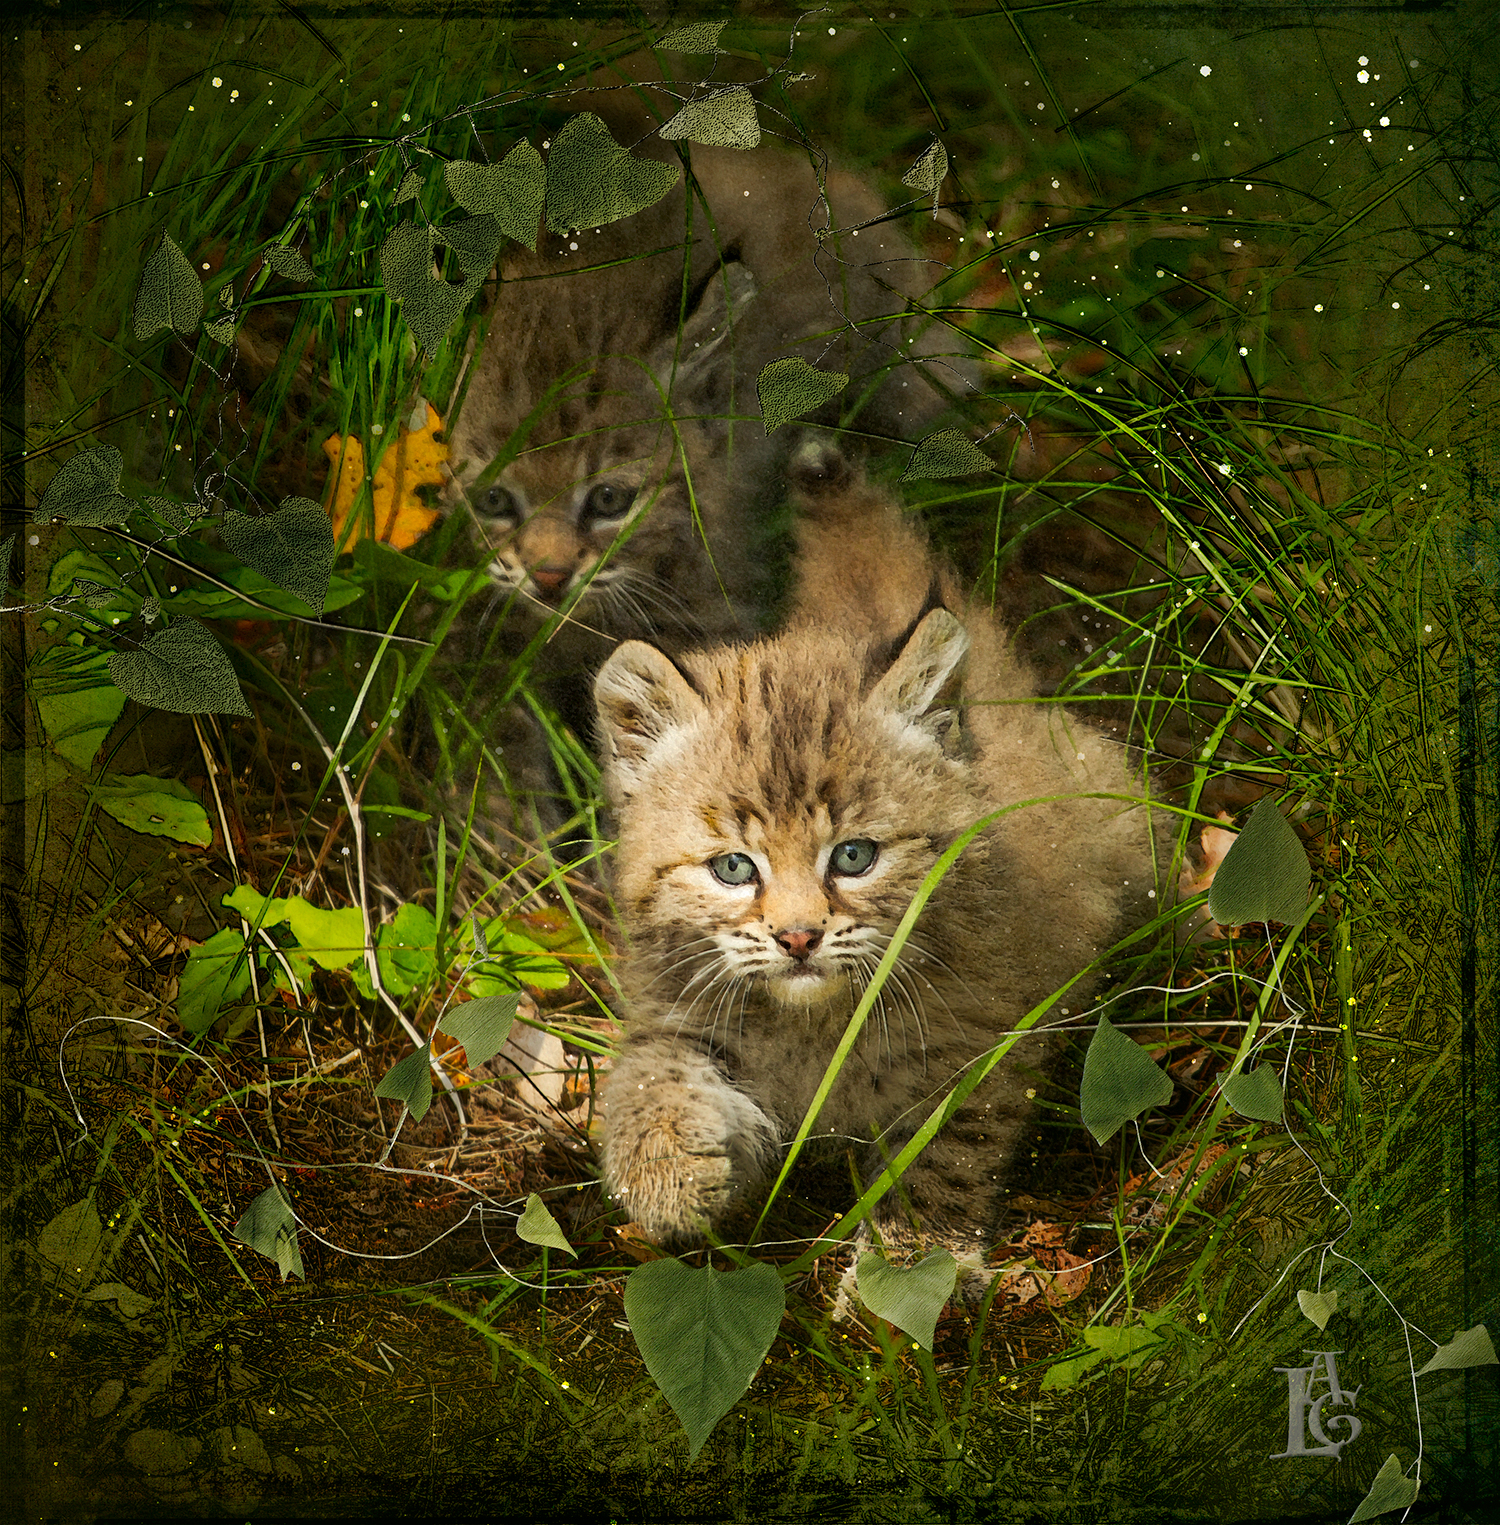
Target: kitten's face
778 812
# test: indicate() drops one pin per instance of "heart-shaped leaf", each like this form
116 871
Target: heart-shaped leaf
481 1025
73 1241
156 807
410 1082
513 191
929 171
591 180
1120 1081
220 330
269 1227
409 189
428 304
703 1335
6 547
1390 1490
1470 1347
170 294
912 1297
946 454
86 490
406 949
1255 1093
182 669
789 388
285 260
1265 874
476 241
724 119
538 1226
1318 1306
700 37
216 975
294 547
175 515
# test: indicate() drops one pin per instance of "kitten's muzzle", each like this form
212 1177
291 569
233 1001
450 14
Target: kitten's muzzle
800 944
551 581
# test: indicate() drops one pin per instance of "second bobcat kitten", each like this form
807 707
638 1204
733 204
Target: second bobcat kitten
778 805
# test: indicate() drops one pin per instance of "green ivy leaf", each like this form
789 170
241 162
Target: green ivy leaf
285 260
220 330
789 388
332 939
703 1335
409 189
1130 1345
928 173
910 1298
410 1082
481 1025
156 807
75 701
1120 1081
1265 875
73 1241
405 949
175 515
724 119
1390 1490
476 241
269 1227
1470 1347
1255 1093
85 490
1068 1373
481 946
513 191
591 180
1319 1307
170 294
947 453
700 37
428 304
538 1226
6 547
294 547
182 669
216 975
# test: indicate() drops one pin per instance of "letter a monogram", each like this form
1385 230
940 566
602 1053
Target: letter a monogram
1305 1407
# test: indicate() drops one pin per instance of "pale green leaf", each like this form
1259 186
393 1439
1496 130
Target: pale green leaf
182 669
1265 874
513 191
269 1227
481 1025
476 241
293 547
76 702
1469 1347
1067 1373
410 1082
910 1298
947 453
150 609
332 939
1390 1490
481 947
428 304
1319 1307
725 119
592 180
156 807
406 949
220 330
285 260
1120 1081
409 189
703 1335
175 515
538 1226
85 490
170 294
787 389
700 37
73 1241
216 975
1255 1093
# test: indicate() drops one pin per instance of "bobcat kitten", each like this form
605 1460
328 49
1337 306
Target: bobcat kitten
778 805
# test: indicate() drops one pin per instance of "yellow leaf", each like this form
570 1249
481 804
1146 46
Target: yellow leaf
413 460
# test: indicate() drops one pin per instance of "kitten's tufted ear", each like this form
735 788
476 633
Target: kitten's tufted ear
641 697
923 680
690 361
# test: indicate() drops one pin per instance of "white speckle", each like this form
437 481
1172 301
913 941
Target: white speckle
1363 60
1195 156
1056 185
1041 105
217 82
1243 350
205 264
34 540
359 312
363 205
1395 304
1385 121
1317 307
1205 71
1033 255
1427 628
1236 243
1225 469
573 245
1160 274
1363 76
296 767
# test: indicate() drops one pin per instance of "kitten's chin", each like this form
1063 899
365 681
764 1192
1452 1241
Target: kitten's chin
806 987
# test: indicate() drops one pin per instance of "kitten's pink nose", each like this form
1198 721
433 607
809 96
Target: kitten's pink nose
550 580
800 943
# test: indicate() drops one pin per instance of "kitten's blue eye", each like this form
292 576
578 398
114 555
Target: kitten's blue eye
607 501
853 857
733 868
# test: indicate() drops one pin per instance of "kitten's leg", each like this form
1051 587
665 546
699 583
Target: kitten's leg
680 1145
